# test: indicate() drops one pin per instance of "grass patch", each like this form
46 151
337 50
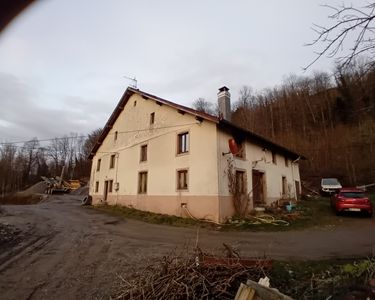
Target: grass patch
310 213
314 212
321 279
21 199
132 213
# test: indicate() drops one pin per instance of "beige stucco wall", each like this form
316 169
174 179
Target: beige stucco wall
258 159
134 130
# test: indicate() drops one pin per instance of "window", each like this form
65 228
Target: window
110 186
284 186
240 182
115 136
96 186
152 118
142 183
182 179
274 157
112 161
241 150
286 162
183 143
135 103
143 153
98 165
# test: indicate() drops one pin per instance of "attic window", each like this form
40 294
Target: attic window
135 103
286 162
98 165
152 118
274 157
241 150
115 137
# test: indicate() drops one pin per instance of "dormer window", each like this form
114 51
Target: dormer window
241 150
274 157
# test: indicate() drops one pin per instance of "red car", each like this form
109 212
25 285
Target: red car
352 200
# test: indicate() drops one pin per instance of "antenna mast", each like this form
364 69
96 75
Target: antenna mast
133 82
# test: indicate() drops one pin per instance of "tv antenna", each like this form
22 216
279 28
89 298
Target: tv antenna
133 81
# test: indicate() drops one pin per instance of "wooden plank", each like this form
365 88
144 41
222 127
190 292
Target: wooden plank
245 293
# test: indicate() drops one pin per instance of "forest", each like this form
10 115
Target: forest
327 117
22 164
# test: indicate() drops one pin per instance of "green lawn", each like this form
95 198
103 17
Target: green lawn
315 212
308 213
322 279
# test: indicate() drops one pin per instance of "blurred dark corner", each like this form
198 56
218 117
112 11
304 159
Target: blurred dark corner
9 9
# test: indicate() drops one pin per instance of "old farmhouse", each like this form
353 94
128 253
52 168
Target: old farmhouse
158 156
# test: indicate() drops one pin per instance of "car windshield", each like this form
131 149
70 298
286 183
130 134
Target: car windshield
330 181
352 194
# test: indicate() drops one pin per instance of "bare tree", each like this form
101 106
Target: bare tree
28 154
203 105
352 25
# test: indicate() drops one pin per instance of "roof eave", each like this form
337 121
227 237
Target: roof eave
257 139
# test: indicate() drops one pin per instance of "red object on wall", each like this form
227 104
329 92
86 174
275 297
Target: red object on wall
233 146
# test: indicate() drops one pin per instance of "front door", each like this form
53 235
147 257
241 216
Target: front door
105 190
258 188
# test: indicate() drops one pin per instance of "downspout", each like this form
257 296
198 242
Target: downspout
117 184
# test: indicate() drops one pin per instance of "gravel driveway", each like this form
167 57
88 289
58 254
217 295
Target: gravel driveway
67 251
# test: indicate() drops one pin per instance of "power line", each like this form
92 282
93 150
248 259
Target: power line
85 136
45 140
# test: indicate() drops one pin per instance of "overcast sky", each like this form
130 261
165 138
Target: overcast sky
63 62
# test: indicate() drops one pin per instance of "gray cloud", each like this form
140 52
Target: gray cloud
68 65
22 116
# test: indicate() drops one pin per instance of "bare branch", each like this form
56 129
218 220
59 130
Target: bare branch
351 22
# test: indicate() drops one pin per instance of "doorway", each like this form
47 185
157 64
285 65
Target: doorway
258 188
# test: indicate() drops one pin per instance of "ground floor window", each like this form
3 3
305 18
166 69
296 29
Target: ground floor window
96 186
240 182
182 179
142 182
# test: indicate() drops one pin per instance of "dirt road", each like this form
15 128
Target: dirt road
70 252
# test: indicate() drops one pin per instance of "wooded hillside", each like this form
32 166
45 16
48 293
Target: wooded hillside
329 118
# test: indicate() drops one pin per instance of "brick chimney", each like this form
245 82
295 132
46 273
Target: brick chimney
223 98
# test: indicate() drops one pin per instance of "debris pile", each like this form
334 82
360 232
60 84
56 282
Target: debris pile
190 277
37 188
32 195
82 191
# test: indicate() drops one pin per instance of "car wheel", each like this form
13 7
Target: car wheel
338 213
369 214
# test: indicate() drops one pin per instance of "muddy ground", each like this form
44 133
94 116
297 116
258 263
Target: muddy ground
66 251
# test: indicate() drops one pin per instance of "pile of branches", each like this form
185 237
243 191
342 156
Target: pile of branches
187 278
